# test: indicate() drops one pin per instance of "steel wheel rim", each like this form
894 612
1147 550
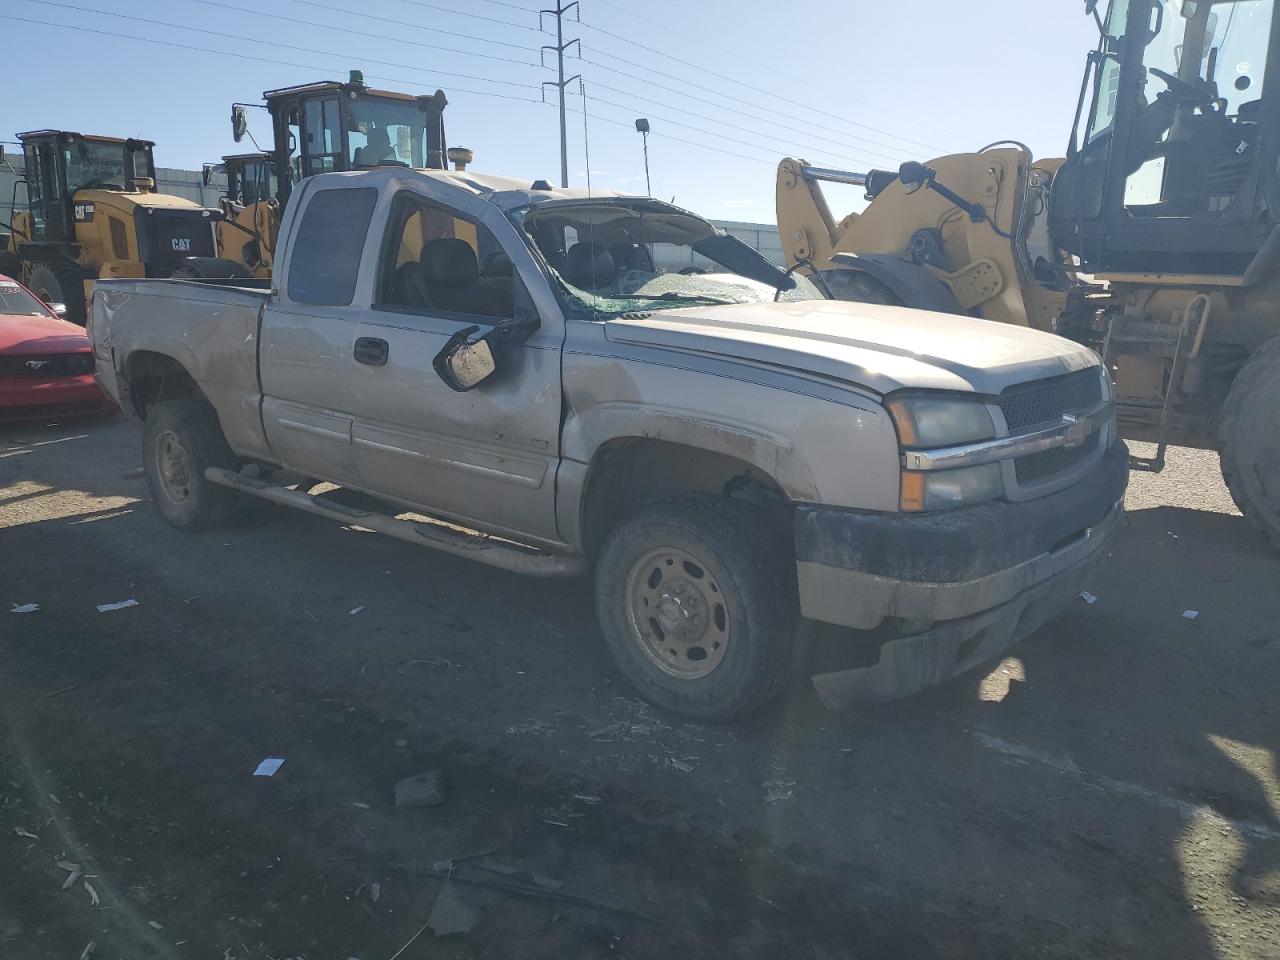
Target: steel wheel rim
173 467
677 612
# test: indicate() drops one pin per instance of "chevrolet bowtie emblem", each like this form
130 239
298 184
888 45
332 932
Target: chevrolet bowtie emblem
1077 430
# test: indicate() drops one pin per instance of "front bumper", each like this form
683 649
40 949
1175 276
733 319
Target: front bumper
986 576
25 399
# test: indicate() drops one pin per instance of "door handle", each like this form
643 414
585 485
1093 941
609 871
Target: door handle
371 351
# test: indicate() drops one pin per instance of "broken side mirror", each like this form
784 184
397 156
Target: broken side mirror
464 364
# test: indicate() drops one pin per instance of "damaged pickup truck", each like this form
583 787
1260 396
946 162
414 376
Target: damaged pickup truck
558 383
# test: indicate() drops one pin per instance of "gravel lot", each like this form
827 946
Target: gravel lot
1110 790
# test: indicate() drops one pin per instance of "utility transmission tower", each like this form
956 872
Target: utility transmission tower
562 82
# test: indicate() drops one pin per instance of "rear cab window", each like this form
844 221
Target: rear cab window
329 242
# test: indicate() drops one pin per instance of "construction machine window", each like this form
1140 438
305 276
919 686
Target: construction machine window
91 165
625 254
1195 128
386 131
323 135
438 262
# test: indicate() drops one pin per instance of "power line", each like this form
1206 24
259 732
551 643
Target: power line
857 143
692 143
248 56
894 158
273 43
472 16
346 12
513 6
358 33
738 82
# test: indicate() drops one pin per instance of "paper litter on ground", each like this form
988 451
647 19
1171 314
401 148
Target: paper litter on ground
108 607
269 766
1190 614
25 608
1088 597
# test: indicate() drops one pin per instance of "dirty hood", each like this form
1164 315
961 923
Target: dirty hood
878 347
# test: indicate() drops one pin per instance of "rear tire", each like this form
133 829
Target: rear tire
1249 441
60 281
182 438
859 287
696 599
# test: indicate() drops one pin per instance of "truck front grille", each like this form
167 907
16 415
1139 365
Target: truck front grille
1042 403
47 366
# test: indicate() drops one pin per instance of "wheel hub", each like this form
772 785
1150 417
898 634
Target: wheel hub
173 467
677 613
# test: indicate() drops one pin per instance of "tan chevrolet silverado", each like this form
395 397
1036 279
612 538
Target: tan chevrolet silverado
559 383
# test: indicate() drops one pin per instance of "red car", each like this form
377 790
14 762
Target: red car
46 363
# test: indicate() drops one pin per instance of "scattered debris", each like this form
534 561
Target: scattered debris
269 766
607 731
154 926
555 823
108 607
356 610
539 727
775 790
680 765
409 942
134 473
362 806
1088 597
25 608
529 889
586 798
450 914
74 873
93 894
1190 614
89 947
22 832
424 790
516 873
447 866
375 892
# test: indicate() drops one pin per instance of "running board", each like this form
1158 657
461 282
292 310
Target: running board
473 546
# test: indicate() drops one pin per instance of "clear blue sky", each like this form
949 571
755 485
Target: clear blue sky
851 84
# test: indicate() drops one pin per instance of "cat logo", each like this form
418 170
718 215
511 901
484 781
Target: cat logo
181 244
83 212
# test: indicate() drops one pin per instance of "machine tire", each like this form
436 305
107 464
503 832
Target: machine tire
1249 441
860 287
737 589
210 268
180 440
60 281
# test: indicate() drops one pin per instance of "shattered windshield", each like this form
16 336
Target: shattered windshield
626 255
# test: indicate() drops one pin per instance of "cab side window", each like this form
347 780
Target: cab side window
330 240
436 262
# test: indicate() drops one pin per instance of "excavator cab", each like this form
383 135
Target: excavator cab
323 127
1172 165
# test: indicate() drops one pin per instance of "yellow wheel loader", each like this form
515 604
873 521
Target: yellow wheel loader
90 210
319 128
247 233
1156 239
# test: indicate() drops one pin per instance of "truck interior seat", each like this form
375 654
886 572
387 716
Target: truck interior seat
452 278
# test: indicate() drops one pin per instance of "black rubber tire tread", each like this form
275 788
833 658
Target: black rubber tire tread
194 421
69 278
751 559
859 287
1254 396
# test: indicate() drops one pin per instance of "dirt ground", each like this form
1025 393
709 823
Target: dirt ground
1111 790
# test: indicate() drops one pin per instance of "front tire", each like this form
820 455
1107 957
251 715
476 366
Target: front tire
60 281
696 599
1249 441
182 438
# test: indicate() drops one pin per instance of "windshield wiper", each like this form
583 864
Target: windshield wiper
681 297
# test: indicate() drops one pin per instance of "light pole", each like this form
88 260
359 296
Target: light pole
642 127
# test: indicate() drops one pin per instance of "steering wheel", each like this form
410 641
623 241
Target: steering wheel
1183 90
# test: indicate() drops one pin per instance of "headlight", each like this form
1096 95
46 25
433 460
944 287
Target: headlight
943 489
925 421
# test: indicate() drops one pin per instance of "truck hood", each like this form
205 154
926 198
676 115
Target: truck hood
877 347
